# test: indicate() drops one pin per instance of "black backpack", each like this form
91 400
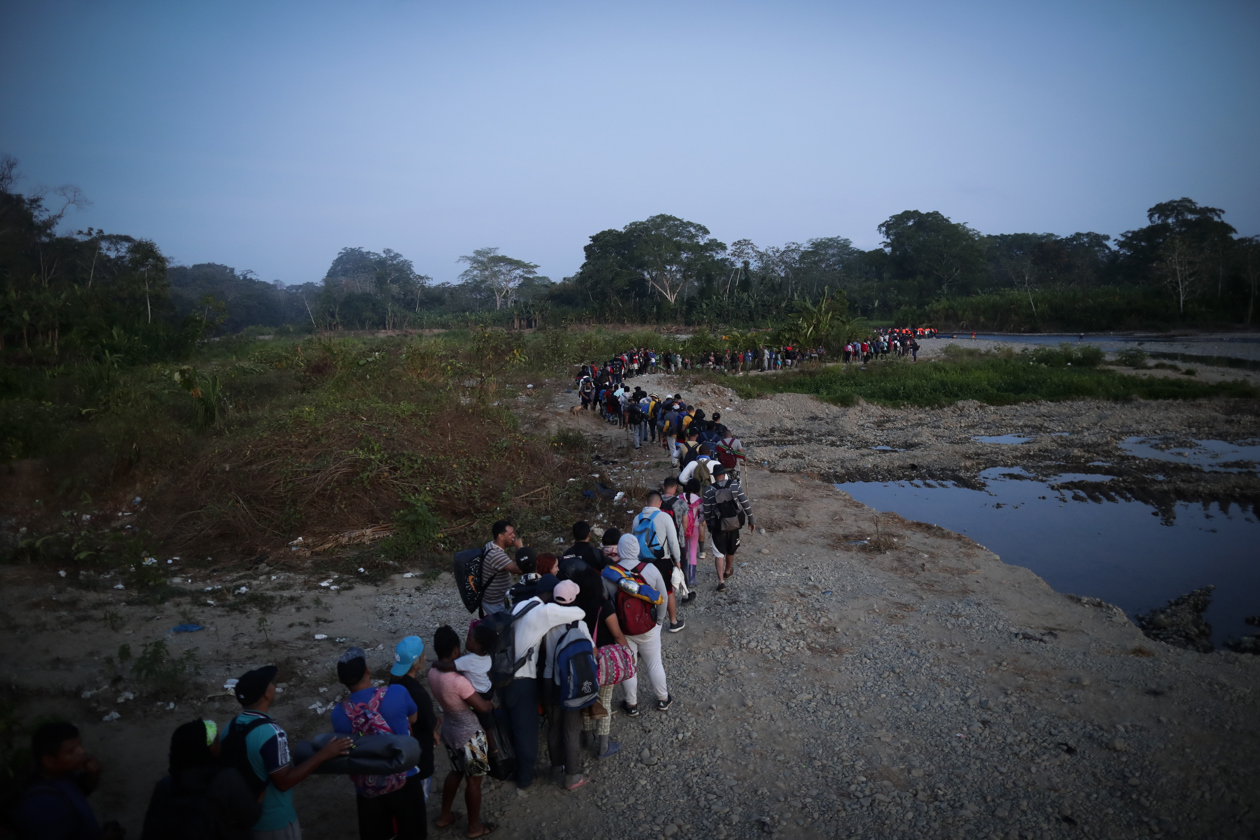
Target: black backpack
234 753
183 815
503 660
468 565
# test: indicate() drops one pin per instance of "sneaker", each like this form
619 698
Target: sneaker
675 626
631 711
691 596
722 587
663 705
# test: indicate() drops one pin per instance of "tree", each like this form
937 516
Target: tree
673 254
1183 245
146 268
946 257
499 273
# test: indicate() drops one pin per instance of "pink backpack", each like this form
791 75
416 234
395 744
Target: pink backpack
693 517
366 719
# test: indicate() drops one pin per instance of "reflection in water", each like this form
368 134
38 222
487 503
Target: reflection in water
1119 551
1210 455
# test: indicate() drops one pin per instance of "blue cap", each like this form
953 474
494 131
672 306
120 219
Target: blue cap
405 655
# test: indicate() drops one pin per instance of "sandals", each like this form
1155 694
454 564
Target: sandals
486 828
581 780
455 815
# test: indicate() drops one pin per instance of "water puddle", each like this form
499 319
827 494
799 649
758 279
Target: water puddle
1121 551
887 449
1209 455
1015 439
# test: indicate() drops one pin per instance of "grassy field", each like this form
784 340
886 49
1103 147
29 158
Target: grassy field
1002 378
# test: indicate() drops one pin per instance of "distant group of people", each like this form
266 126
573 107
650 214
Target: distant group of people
898 341
641 360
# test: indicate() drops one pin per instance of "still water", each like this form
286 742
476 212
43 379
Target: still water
1121 552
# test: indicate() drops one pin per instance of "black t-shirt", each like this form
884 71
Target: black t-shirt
588 553
599 611
426 721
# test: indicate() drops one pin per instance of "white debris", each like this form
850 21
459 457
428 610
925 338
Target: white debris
298 541
137 500
558 541
325 582
208 601
112 716
620 495
408 574
362 571
334 588
319 637
230 684
170 706
125 696
242 590
62 573
119 586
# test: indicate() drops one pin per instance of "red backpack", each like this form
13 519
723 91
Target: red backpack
725 454
366 719
635 614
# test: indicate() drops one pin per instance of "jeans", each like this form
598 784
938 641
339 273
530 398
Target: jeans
520 698
405 805
647 646
564 745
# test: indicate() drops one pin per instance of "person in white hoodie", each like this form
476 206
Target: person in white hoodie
520 697
646 646
663 533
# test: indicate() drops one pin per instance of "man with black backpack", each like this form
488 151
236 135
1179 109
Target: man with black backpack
497 568
514 668
726 509
259 750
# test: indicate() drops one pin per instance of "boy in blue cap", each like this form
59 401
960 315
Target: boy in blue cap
408 664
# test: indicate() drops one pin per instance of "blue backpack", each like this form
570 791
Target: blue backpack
576 671
646 535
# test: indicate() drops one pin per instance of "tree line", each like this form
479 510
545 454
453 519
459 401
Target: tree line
92 293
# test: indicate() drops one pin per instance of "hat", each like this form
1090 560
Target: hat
717 469
351 666
253 684
566 592
405 655
628 547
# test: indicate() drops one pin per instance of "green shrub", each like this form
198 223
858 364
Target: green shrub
416 529
1133 357
1066 355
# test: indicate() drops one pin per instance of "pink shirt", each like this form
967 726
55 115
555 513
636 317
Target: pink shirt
452 690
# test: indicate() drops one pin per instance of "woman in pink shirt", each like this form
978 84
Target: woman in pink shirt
462 734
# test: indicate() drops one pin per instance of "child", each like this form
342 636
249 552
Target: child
475 665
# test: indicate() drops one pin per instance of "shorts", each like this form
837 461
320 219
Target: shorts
666 568
726 542
473 758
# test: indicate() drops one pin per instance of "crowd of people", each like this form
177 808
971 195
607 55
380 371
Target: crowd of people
898 341
539 663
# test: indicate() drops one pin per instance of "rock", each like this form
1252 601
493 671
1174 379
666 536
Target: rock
1181 623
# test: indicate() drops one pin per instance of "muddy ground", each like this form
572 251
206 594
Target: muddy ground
915 686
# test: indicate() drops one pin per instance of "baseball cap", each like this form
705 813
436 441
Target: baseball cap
351 666
406 653
253 684
566 591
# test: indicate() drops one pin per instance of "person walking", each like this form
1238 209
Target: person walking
645 645
726 509
658 544
497 568
408 665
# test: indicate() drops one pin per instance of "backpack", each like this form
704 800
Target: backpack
690 451
468 565
726 455
695 510
634 614
576 671
183 815
702 473
645 533
730 514
503 660
634 414
366 719
667 508
235 753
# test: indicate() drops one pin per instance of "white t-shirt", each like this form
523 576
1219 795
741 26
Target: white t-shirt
476 668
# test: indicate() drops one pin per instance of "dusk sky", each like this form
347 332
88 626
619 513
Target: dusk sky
269 135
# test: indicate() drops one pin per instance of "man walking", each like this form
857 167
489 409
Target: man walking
726 509
658 544
646 646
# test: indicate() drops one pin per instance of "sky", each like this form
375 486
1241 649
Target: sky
268 135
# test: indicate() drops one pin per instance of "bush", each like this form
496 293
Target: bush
1066 355
416 529
1132 357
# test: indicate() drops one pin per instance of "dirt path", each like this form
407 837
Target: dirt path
928 690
